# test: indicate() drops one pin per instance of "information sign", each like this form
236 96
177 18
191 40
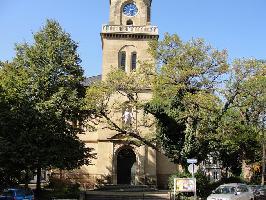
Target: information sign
192 161
185 184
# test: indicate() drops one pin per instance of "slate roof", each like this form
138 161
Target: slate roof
88 81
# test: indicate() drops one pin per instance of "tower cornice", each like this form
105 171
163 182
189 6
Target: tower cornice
146 1
121 29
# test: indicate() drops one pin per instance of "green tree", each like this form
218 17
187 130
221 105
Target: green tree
11 160
242 126
42 88
199 101
184 101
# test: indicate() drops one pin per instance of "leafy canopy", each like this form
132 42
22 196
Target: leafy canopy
41 98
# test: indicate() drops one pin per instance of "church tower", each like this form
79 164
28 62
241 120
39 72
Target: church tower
125 39
125 43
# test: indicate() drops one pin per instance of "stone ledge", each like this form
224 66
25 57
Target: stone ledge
153 30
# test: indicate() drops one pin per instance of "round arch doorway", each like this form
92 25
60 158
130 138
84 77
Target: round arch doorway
126 166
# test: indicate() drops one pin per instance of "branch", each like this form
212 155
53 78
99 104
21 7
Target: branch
129 133
143 140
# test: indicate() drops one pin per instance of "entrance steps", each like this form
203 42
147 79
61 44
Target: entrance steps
126 192
104 195
127 188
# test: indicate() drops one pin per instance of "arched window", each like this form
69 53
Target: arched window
129 22
149 14
122 60
133 61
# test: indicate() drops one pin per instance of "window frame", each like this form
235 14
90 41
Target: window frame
122 60
133 60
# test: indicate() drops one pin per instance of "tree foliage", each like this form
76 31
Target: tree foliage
241 127
205 105
41 98
184 101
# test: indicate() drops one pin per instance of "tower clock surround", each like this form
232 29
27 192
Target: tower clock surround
130 9
137 10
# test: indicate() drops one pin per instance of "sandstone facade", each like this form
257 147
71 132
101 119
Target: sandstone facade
124 39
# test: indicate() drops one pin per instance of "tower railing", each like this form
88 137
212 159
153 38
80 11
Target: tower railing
130 29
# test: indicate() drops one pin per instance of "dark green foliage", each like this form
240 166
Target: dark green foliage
170 132
176 138
41 99
203 184
60 189
9 177
63 185
184 102
204 105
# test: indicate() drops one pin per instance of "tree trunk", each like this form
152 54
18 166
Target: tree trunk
263 161
27 177
60 174
226 172
38 184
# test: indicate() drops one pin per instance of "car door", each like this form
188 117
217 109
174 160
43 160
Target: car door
7 195
244 193
29 195
20 194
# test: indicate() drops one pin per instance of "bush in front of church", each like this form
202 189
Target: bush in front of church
60 188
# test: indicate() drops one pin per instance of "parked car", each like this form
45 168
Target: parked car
259 191
17 194
232 191
255 189
262 192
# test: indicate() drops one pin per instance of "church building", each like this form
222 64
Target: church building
125 41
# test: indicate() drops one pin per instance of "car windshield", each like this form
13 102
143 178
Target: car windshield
20 193
28 192
225 190
255 187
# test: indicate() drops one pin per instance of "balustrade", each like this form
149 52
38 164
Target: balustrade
130 29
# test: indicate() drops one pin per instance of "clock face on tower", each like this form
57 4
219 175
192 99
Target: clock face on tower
130 9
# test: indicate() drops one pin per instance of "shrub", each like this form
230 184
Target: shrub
203 184
61 188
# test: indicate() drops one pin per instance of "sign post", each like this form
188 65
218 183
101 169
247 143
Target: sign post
192 168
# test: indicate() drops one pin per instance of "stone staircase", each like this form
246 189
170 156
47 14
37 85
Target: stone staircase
127 188
126 192
126 196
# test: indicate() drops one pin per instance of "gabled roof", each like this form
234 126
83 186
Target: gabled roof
90 80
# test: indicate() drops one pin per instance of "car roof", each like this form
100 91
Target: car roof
15 189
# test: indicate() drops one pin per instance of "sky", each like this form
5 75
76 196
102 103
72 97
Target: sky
236 25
